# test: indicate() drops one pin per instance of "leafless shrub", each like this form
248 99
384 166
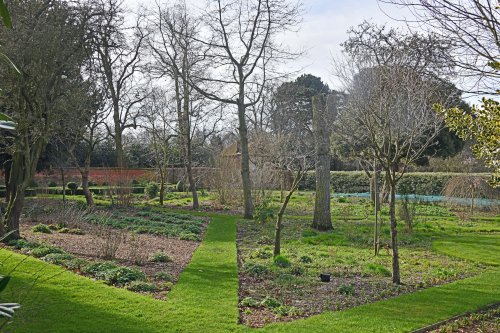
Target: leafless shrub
226 181
136 253
471 188
406 212
110 238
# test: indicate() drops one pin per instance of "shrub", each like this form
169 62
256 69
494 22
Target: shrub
72 187
123 275
33 183
164 276
52 184
98 269
161 256
255 269
41 228
152 190
281 261
249 302
141 286
346 289
264 212
44 250
270 303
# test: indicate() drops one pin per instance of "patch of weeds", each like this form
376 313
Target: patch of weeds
265 240
261 254
123 275
75 264
346 289
164 276
64 230
168 285
160 256
75 231
297 270
41 228
255 269
141 286
377 269
281 261
249 302
52 227
44 250
98 269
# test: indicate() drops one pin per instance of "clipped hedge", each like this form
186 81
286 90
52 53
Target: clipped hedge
421 183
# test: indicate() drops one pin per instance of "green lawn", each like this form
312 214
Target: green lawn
206 295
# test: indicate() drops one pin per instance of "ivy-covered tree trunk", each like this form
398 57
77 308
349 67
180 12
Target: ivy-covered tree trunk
322 219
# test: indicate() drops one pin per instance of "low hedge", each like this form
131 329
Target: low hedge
421 183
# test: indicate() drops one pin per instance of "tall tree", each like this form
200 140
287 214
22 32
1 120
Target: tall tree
118 55
392 80
47 45
242 48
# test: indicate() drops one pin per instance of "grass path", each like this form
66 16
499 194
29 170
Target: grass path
205 297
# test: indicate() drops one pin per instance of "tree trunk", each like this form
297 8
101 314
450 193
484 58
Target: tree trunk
63 184
118 137
245 158
85 186
376 206
396 277
322 216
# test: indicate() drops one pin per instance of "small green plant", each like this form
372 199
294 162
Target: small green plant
123 275
255 269
249 302
305 260
44 250
141 286
168 285
281 261
346 289
265 240
63 230
41 228
152 190
270 303
286 311
160 256
164 276
57 258
52 227
261 254
75 231
309 233
52 184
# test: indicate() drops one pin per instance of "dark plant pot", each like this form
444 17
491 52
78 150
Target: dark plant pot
324 277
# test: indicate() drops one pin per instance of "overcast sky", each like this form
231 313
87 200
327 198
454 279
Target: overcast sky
323 29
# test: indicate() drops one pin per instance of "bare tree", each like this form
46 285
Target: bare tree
472 27
118 49
389 104
158 123
242 47
175 50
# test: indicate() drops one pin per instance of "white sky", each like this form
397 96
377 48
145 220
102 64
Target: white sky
323 29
